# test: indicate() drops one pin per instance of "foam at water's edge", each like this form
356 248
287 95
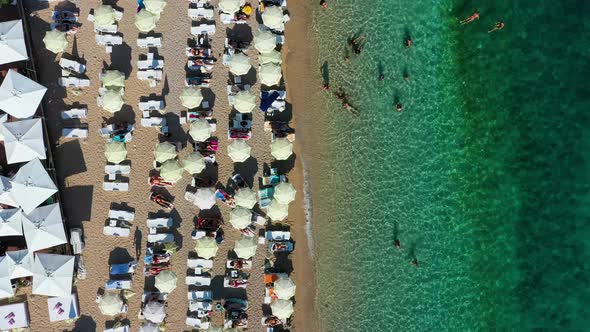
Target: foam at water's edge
307 206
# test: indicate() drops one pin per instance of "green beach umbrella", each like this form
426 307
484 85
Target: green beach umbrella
277 211
240 64
245 197
55 41
145 21
206 247
166 281
239 150
282 309
281 148
273 18
229 6
154 6
191 97
244 101
200 130
194 163
110 304
284 193
265 41
115 152
273 56
240 217
270 74
112 101
171 171
284 288
245 247
104 15
113 79
164 151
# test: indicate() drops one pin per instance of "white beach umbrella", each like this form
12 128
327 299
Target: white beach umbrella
43 228
240 64
277 211
206 247
240 217
55 41
204 198
265 41
104 15
239 151
194 163
111 304
273 56
273 18
115 152
191 97
245 197
145 21
6 289
166 281
52 275
200 130
244 101
112 101
154 311
229 6
270 74
284 193
23 140
113 79
281 148
5 192
20 96
245 247
282 309
149 327
284 288
164 151
171 171
31 186
154 6
20 263
12 42
11 222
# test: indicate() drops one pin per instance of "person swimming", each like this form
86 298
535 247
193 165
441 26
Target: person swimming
414 262
397 244
498 26
356 44
324 4
473 17
406 76
399 107
381 77
409 42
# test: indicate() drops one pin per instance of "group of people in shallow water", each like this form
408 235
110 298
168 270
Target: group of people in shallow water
475 16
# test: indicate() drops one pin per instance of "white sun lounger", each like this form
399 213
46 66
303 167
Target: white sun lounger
73 82
115 186
106 131
152 75
150 63
206 295
230 19
118 284
197 13
108 40
117 169
124 328
198 281
197 323
153 122
151 105
106 29
149 42
160 238
199 263
118 15
199 3
278 235
246 265
115 231
121 215
159 223
74 113
74 133
200 306
202 29
72 65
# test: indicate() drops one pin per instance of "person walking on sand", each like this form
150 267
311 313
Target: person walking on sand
498 26
473 17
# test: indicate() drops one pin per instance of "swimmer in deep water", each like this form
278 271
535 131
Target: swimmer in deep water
498 26
473 17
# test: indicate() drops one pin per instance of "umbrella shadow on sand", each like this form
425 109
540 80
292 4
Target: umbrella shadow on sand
84 323
120 256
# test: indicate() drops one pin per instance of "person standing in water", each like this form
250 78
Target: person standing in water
498 26
473 17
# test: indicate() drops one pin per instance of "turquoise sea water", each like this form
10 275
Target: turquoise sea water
484 177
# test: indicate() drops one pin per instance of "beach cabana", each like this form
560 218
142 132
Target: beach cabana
20 96
282 309
52 275
149 327
273 18
204 198
277 211
113 79
111 304
200 130
154 311
166 281
5 195
206 247
6 289
244 101
104 16
20 263
31 186
284 288
239 64
44 228
11 222
154 6
240 217
145 21
229 6
273 56
194 163
12 42
284 193
55 41
112 101
191 97
239 150
270 74
265 41
164 151
245 197
245 247
281 148
23 140
115 152
171 171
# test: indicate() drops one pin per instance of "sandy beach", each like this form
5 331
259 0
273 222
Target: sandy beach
80 163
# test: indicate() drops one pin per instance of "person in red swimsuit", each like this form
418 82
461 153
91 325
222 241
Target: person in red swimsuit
498 26
473 17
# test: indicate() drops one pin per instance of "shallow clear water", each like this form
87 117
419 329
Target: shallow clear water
483 177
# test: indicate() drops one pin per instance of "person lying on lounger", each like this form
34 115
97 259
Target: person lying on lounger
156 181
272 321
